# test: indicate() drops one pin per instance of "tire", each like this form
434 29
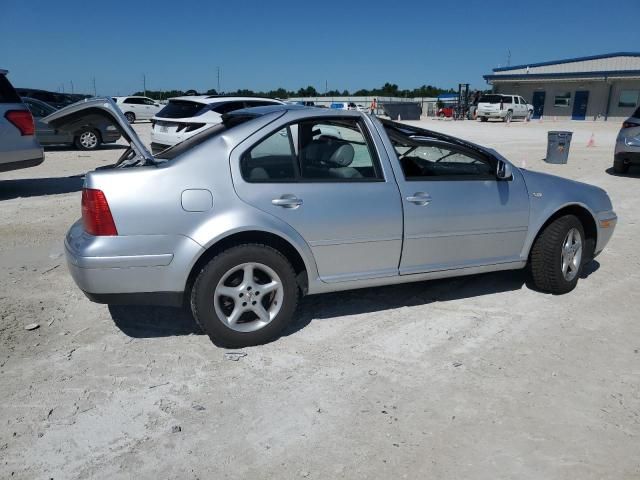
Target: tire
547 257
508 117
87 139
529 115
619 166
130 116
483 119
441 115
216 313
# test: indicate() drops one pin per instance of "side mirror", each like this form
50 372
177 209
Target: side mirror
504 171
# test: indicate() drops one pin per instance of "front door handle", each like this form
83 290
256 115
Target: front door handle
420 198
287 201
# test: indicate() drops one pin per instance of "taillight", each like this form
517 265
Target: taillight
22 120
96 215
628 124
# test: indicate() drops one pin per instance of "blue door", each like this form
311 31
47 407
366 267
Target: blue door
580 105
538 104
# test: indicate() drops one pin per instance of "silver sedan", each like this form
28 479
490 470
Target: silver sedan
276 202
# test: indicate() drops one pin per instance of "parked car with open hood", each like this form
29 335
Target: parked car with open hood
627 151
186 116
241 219
88 134
136 108
19 147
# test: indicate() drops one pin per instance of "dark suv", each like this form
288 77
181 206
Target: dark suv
19 147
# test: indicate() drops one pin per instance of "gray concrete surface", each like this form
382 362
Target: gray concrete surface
476 377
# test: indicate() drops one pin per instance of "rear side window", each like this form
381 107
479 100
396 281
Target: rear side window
182 109
226 107
327 150
7 92
258 103
134 101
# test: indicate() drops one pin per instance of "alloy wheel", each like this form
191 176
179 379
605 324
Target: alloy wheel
88 140
571 255
248 297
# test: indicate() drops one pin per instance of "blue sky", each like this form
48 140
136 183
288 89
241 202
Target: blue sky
263 45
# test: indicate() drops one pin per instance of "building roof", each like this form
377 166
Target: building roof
620 64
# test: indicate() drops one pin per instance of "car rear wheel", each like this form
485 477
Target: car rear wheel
507 118
557 255
245 296
130 116
87 140
619 166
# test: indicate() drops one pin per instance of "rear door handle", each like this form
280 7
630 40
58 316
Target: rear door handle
420 198
287 201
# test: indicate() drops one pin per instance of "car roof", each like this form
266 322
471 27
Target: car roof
131 96
209 99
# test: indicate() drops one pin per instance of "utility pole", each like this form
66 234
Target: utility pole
71 82
509 58
326 87
95 94
144 84
218 90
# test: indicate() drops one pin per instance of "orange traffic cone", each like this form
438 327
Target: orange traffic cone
592 141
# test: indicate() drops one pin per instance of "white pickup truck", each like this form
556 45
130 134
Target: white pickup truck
504 107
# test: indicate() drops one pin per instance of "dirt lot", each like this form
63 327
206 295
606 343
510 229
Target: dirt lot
477 377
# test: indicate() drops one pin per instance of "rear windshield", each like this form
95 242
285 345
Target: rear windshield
181 109
7 93
495 99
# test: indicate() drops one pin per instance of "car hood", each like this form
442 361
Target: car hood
566 190
96 110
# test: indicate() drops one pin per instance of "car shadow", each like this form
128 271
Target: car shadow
151 321
634 172
141 321
37 187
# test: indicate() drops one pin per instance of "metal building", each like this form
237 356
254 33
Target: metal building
596 87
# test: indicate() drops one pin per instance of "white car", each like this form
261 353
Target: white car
183 117
137 108
503 107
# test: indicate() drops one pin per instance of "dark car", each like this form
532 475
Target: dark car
89 132
55 99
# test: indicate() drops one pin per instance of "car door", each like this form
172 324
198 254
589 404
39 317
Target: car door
326 178
457 213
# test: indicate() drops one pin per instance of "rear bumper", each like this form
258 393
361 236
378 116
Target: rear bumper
491 114
140 269
31 162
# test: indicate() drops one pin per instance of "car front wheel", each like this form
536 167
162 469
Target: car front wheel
130 116
87 140
558 255
483 119
245 296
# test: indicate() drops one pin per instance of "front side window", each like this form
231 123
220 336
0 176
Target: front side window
628 98
562 99
314 150
439 162
148 101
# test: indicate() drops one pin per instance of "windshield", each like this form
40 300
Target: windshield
182 109
495 99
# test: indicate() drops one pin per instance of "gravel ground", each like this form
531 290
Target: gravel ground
477 377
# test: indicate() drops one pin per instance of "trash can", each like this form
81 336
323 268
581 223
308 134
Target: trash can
558 144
